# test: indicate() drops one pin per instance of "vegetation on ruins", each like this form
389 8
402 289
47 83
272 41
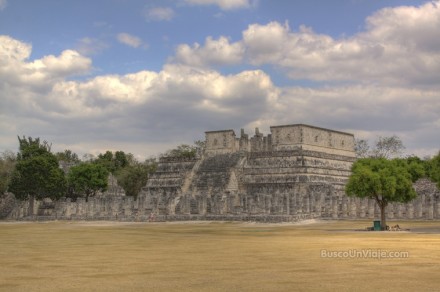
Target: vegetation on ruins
131 174
86 179
7 166
134 176
113 161
185 150
36 174
433 169
385 181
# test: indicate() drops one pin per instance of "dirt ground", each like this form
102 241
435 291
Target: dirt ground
217 256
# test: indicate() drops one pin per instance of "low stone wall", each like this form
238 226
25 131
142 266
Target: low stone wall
122 208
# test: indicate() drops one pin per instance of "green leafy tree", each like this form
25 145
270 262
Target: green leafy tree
433 169
382 180
113 162
7 166
86 179
186 151
36 173
68 156
133 177
416 167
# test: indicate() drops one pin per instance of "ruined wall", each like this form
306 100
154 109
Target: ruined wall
296 172
219 142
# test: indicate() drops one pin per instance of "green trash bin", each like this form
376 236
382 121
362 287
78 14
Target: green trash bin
376 225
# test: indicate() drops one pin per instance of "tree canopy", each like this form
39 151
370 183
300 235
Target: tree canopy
7 166
68 156
134 176
185 150
36 172
384 147
86 179
433 169
113 161
384 181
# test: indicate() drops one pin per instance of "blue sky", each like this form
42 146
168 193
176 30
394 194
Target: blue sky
144 76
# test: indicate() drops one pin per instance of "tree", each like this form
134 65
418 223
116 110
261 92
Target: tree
361 148
36 173
186 151
133 177
433 169
113 162
388 147
416 167
67 156
86 179
200 145
382 180
7 166
384 147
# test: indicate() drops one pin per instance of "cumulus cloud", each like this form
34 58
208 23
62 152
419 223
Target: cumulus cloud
390 73
129 40
213 52
123 107
159 14
225 4
399 46
16 69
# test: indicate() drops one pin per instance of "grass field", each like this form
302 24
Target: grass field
102 256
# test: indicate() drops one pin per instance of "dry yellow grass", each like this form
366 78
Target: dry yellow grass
75 256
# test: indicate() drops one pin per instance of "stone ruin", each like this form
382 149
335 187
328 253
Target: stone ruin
295 172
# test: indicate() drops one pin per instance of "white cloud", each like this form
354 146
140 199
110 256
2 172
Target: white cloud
159 14
91 46
3 4
392 70
400 46
16 69
129 40
122 107
225 4
214 52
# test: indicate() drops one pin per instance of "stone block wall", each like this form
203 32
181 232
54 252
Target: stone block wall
294 173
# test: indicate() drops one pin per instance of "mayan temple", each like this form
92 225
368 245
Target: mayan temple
296 171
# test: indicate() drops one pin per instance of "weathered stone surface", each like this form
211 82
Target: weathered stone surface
295 172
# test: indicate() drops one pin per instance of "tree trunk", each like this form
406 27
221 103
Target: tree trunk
382 205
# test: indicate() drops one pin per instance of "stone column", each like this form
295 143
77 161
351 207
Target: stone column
410 211
419 206
430 205
390 211
344 207
437 209
353 210
335 206
371 205
363 203
398 211
307 204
